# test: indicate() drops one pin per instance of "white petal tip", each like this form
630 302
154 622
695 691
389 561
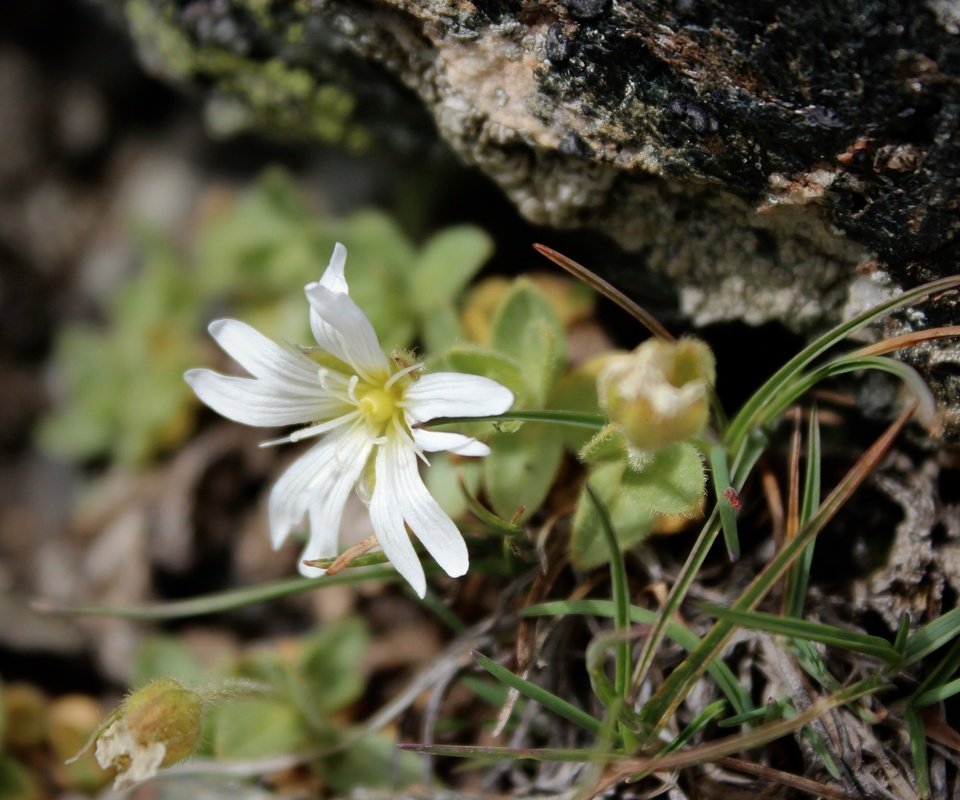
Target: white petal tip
459 569
503 396
474 449
310 572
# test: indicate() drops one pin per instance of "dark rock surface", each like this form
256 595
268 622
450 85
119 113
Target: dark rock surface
777 161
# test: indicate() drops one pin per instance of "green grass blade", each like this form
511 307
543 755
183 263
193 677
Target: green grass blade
678 593
754 715
820 748
575 755
547 699
678 684
918 751
221 601
737 696
932 636
808 631
751 412
845 364
721 484
621 596
799 575
486 516
577 419
903 633
697 724
747 455
945 668
936 695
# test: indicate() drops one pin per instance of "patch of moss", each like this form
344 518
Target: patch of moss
284 100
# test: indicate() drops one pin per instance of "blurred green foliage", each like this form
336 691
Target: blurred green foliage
290 699
122 392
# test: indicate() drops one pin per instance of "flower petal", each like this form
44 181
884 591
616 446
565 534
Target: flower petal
387 521
318 478
264 402
331 487
429 523
262 357
434 441
453 394
343 330
333 278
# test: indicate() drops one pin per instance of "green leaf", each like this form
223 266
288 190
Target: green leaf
440 330
161 656
496 366
587 547
671 484
606 445
330 664
576 391
526 328
521 468
447 262
255 727
443 481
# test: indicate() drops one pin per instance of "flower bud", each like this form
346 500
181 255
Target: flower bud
659 393
155 727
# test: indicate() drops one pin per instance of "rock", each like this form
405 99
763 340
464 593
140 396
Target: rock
759 157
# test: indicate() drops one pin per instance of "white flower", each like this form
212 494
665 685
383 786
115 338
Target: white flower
366 407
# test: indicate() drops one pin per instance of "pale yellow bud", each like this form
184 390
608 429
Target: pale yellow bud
659 393
155 727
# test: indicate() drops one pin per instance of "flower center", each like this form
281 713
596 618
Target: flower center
378 404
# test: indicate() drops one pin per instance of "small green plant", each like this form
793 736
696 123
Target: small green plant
638 433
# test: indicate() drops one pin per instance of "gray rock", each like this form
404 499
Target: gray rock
759 156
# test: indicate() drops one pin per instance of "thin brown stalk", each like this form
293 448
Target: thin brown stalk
797 782
907 340
608 290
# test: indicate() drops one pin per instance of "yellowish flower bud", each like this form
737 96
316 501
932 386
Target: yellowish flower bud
155 727
659 393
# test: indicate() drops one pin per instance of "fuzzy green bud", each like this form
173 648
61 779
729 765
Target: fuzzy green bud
659 393
155 727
